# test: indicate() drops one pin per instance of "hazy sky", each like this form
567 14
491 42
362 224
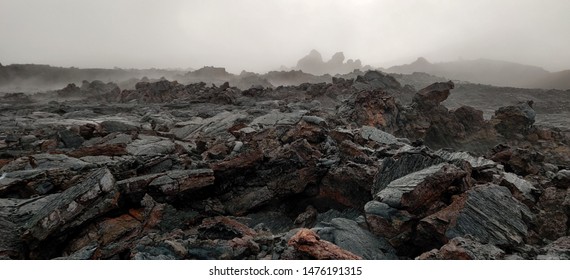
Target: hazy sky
259 35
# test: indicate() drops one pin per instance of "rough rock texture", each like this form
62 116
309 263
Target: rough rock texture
393 224
52 217
562 179
96 194
417 191
557 250
372 80
552 220
522 190
514 119
348 235
520 161
371 108
488 213
402 165
460 248
308 242
433 94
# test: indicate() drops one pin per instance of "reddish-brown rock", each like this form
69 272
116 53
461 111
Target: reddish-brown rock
433 94
395 225
552 220
372 108
348 184
100 150
311 245
223 228
245 160
419 191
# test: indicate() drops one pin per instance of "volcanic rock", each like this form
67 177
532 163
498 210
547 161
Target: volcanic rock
151 146
379 136
107 127
434 94
310 244
562 179
166 170
477 163
371 108
349 236
521 189
70 139
373 80
511 120
416 192
94 196
170 183
518 160
47 161
552 221
557 250
461 248
393 224
488 213
348 184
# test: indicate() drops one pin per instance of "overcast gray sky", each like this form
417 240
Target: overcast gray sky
260 35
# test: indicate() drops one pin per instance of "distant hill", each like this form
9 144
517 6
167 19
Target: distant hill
556 80
491 72
29 77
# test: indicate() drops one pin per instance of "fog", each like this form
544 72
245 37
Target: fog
260 35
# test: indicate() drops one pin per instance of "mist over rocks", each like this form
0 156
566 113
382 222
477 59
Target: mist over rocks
489 72
257 130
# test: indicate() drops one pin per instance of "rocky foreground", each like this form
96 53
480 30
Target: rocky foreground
354 169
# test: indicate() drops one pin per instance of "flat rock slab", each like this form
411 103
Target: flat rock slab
199 127
522 189
151 147
401 165
31 182
377 135
476 162
169 183
278 118
421 188
47 161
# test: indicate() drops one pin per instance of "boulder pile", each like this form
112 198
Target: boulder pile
340 170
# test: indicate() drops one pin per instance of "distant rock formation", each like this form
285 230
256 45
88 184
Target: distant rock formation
313 63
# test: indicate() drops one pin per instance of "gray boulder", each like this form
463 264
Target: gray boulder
418 190
349 236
